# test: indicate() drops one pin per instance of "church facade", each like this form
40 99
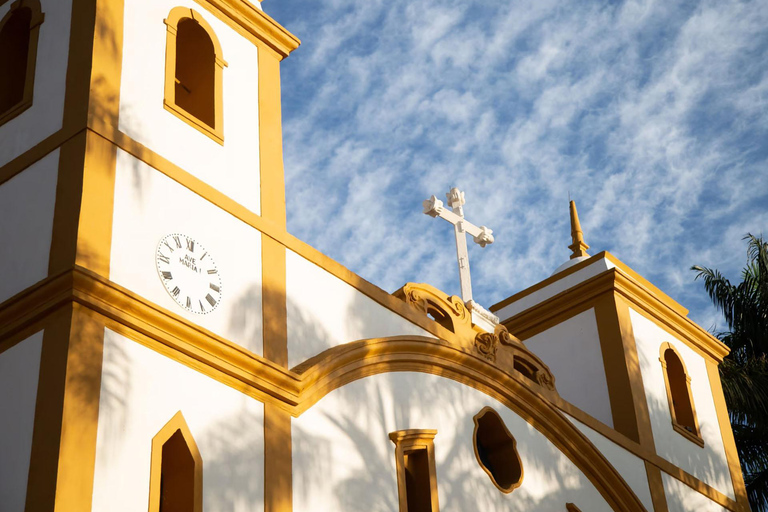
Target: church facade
166 345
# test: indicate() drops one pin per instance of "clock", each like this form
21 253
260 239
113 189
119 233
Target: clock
189 273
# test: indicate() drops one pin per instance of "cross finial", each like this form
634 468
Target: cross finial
578 247
481 235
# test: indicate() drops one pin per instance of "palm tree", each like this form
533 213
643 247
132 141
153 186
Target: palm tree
744 372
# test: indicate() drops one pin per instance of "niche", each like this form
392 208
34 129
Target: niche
496 451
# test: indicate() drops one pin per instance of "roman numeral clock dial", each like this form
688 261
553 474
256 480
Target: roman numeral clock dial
189 274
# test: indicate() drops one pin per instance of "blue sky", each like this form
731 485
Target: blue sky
652 114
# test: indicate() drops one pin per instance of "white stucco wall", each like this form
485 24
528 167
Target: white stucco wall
46 114
141 391
149 206
554 288
19 371
572 351
324 311
709 463
232 168
26 222
681 498
343 459
630 466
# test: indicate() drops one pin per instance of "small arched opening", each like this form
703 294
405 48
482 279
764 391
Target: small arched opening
19 31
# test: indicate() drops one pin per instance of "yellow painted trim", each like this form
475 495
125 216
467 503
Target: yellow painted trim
278 460
268 228
635 374
273 301
34 35
724 422
176 423
253 24
297 390
271 173
555 309
659 295
66 415
656 486
35 154
624 410
215 132
645 454
694 437
408 441
476 419
46 433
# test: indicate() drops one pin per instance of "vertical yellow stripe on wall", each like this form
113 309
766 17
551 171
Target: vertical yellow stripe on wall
656 486
278 469
731 454
271 138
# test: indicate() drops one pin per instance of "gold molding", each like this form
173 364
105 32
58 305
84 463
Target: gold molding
561 306
215 132
278 460
656 486
271 171
695 436
499 347
176 423
66 413
409 441
254 24
729 444
36 20
659 295
297 390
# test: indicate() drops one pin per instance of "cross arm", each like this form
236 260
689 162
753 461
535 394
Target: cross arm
435 208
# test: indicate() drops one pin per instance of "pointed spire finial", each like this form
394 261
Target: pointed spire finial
578 247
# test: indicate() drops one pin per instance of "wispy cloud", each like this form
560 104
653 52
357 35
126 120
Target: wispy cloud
653 115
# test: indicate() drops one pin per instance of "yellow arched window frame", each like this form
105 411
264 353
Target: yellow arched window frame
214 130
175 427
678 392
36 19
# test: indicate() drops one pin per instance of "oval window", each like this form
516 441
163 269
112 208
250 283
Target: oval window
496 451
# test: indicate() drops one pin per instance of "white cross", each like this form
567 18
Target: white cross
482 235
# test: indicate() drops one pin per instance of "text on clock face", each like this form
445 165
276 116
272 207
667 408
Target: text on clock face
188 273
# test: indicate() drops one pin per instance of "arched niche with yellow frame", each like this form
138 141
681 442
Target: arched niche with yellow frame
19 34
194 69
679 396
176 471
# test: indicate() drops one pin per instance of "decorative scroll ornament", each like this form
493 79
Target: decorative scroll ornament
487 344
500 347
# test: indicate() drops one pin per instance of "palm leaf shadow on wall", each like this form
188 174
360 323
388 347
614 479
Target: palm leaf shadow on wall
496 451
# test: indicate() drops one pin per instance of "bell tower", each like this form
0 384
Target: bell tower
141 181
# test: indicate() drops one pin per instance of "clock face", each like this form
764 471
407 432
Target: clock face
189 273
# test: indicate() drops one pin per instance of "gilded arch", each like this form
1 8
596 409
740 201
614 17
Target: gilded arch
36 19
691 431
343 364
177 14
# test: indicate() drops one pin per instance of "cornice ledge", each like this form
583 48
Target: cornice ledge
126 308
259 24
618 281
639 295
